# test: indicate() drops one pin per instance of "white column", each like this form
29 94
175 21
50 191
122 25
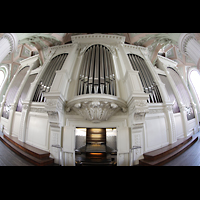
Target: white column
8 43
190 47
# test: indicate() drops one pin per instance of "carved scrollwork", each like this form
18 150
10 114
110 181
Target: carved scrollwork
96 109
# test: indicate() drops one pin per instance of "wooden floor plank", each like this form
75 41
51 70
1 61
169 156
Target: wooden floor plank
191 157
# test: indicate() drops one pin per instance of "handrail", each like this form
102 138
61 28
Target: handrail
136 147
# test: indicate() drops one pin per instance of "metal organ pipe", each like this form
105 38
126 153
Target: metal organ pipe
106 72
148 75
154 87
102 79
87 72
141 75
91 82
47 79
96 71
146 78
99 67
81 76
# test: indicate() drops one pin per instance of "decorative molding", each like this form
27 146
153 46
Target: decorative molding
12 39
96 108
135 47
183 42
84 47
110 38
138 109
153 111
167 59
53 115
62 46
38 110
139 106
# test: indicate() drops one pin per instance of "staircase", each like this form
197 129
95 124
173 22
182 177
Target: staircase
34 155
165 154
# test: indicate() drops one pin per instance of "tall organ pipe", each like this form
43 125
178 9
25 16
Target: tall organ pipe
102 80
147 75
96 71
91 71
99 76
81 76
141 75
47 79
87 71
154 86
107 73
146 78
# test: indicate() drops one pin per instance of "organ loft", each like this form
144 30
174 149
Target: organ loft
106 99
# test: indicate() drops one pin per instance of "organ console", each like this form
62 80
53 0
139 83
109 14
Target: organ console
96 149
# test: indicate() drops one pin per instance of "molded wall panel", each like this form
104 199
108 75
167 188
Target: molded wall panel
155 131
38 130
16 124
179 126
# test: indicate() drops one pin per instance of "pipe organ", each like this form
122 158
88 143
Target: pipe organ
98 81
97 72
146 78
48 77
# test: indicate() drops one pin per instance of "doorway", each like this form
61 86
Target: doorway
95 146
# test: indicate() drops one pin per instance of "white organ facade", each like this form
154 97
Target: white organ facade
98 82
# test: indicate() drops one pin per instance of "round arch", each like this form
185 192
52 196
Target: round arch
4 72
194 85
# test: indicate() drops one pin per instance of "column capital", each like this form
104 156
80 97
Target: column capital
183 41
13 41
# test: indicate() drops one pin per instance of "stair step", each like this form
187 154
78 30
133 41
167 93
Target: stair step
170 156
156 154
38 153
44 161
